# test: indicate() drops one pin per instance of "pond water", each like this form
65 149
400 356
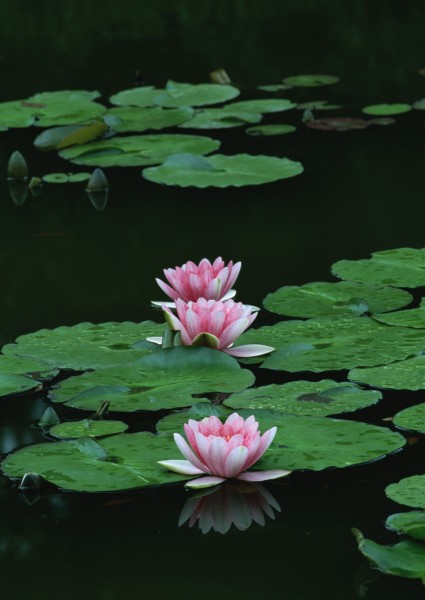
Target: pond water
66 261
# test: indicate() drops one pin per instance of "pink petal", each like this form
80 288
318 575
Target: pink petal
167 289
235 461
188 454
193 324
216 458
248 350
233 331
204 482
262 475
184 467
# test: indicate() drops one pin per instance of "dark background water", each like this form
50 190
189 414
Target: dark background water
64 262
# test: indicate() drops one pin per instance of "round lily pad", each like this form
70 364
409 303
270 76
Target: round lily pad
15 384
409 491
87 428
317 105
86 345
222 171
412 418
141 119
333 299
14 114
319 398
55 178
407 374
266 105
138 150
201 94
20 365
402 267
221 118
310 80
332 343
414 317
140 96
165 379
406 559
274 87
411 523
119 462
276 129
383 110
78 177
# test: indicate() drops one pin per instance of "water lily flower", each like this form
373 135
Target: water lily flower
221 451
215 324
210 281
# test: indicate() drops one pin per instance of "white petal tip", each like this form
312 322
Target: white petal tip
204 482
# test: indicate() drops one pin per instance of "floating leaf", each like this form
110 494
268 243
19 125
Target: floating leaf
119 462
276 129
414 317
166 379
141 119
337 124
221 118
409 491
138 150
411 523
266 105
15 384
404 375
55 178
87 428
86 345
317 105
310 80
412 418
319 398
382 121
419 104
140 96
274 87
223 171
19 365
13 114
386 109
188 94
65 96
333 299
402 267
78 177
331 343
406 559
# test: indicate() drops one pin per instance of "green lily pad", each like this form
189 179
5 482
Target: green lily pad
65 96
406 559
14 115
314 443
411 523
140 96
201 94
15 384
141 119
419 104
87 428
276 129
407 374
78 177
318 105
267 105
384 110
119 462
332 343
221 118
165 379
409 491
333 299
138 150
55 178
310 80
86 345
402 267
19 365
274 87
222 171
412 418
414 317
319 398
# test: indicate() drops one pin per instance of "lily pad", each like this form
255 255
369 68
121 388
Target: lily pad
138 150
383 110
414 317
165 379
419 104
409 491
143 96
337 124
274 87
319 398
318 105
220 170
310 80
333 299
406 559
266 105
14 115
87 428
19 365
142 119
55 178
314 443
276 129
201 94
332 343
402 267
86 345
412 418
221 118
15 384
119 462
411 523
404 375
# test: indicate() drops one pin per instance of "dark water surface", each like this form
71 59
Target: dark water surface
63 261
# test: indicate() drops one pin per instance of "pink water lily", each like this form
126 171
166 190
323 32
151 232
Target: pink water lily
210 281
215 324
221 451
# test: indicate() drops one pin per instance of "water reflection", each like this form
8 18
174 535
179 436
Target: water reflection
233 503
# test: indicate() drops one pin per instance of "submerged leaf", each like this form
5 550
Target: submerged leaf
310 80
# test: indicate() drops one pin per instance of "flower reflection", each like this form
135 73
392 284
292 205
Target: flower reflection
233 503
